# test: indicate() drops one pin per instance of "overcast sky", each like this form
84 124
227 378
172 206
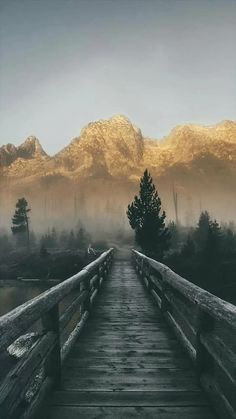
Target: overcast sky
64 63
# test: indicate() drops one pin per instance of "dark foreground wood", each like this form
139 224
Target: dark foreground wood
127 363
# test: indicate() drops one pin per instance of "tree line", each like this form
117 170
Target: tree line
206 254
72 239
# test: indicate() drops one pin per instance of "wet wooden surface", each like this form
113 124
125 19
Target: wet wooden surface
127 363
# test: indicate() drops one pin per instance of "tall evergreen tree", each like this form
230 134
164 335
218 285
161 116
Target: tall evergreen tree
20 220
213 243
202 230
147 219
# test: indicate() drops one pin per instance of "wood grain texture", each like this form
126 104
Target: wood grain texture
127 363
204 325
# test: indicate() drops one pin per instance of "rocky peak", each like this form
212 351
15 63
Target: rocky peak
29 149
109 147
186 142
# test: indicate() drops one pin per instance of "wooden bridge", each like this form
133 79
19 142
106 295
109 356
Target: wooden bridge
163 350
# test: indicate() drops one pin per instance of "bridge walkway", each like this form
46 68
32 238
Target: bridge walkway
127 363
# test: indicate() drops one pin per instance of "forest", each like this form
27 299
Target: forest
205 254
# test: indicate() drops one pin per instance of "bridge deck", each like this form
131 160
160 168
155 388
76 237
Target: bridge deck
127 363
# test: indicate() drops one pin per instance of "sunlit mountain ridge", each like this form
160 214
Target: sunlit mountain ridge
106 160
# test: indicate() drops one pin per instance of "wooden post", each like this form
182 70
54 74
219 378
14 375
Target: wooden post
97 285
164 302
146 270
205 323
105 269
86 287
50 322
100 276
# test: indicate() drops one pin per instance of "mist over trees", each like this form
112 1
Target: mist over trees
54 254
20 222
206 255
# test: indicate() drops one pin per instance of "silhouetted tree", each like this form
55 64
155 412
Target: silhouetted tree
188 249
5 244
147 220
82 239
174 233
212 251
20 220
202 230
63 239
49 240
54 237
43 251
71 240
229 242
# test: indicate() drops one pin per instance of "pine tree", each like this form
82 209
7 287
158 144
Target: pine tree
20 220
147 220
213 243
82 238
201 232
188 249
71 244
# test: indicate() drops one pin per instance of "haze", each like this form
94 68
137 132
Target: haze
161 63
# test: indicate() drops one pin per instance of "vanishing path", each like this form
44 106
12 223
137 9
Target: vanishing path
127 363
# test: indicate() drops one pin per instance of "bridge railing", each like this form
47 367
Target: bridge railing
28 380
204 323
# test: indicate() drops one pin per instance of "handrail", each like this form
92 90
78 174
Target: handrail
205 325
218 308
46 356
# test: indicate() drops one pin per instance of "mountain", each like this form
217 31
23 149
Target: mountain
28 150
189 141
110 148
102 166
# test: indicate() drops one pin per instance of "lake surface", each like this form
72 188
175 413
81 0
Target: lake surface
13 296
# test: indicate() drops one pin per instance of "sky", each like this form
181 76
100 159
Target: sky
64 63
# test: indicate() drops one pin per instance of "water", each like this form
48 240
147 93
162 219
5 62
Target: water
13 296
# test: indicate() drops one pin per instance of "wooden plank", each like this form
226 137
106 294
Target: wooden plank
14 386
138 412
115 363
128 398
134 382
127 363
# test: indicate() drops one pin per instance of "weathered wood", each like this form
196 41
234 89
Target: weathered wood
218 399
14 386
138 412
17 321
181 336
222 354
127 359
50 323
45 355
192 312
32 409
215 306
71 310
73 336
128 398
203 357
